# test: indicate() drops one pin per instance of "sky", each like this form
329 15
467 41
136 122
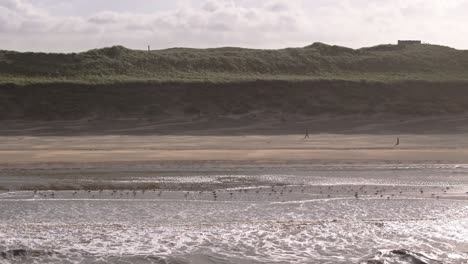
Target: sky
79 25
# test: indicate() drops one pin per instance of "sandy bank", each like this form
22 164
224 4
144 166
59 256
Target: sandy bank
318 148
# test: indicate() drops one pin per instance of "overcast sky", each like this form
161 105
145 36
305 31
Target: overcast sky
77 25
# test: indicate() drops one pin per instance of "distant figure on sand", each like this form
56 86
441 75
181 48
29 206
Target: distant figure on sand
307 133
397 141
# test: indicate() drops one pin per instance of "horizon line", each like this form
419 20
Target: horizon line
222 47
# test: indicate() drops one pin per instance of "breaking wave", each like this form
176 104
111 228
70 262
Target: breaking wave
400 256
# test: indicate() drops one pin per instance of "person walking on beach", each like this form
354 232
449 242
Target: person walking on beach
307 133
397 141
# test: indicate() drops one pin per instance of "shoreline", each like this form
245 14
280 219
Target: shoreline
261 155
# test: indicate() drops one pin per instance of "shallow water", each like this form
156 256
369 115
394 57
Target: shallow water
303 214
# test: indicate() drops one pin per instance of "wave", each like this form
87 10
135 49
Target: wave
15 254
400 256
39 256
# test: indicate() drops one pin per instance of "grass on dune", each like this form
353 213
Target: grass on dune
117 82
384 63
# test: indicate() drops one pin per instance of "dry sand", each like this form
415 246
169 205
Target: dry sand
333 139
322 147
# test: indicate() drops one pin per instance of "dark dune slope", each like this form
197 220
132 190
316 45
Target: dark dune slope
56 101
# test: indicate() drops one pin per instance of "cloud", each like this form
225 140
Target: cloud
105 18
212 6
20 7
263 24
21 17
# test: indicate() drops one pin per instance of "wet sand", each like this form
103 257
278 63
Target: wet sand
244 213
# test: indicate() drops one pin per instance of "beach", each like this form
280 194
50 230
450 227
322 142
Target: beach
235 198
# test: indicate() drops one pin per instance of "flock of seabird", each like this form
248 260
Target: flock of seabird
323 191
